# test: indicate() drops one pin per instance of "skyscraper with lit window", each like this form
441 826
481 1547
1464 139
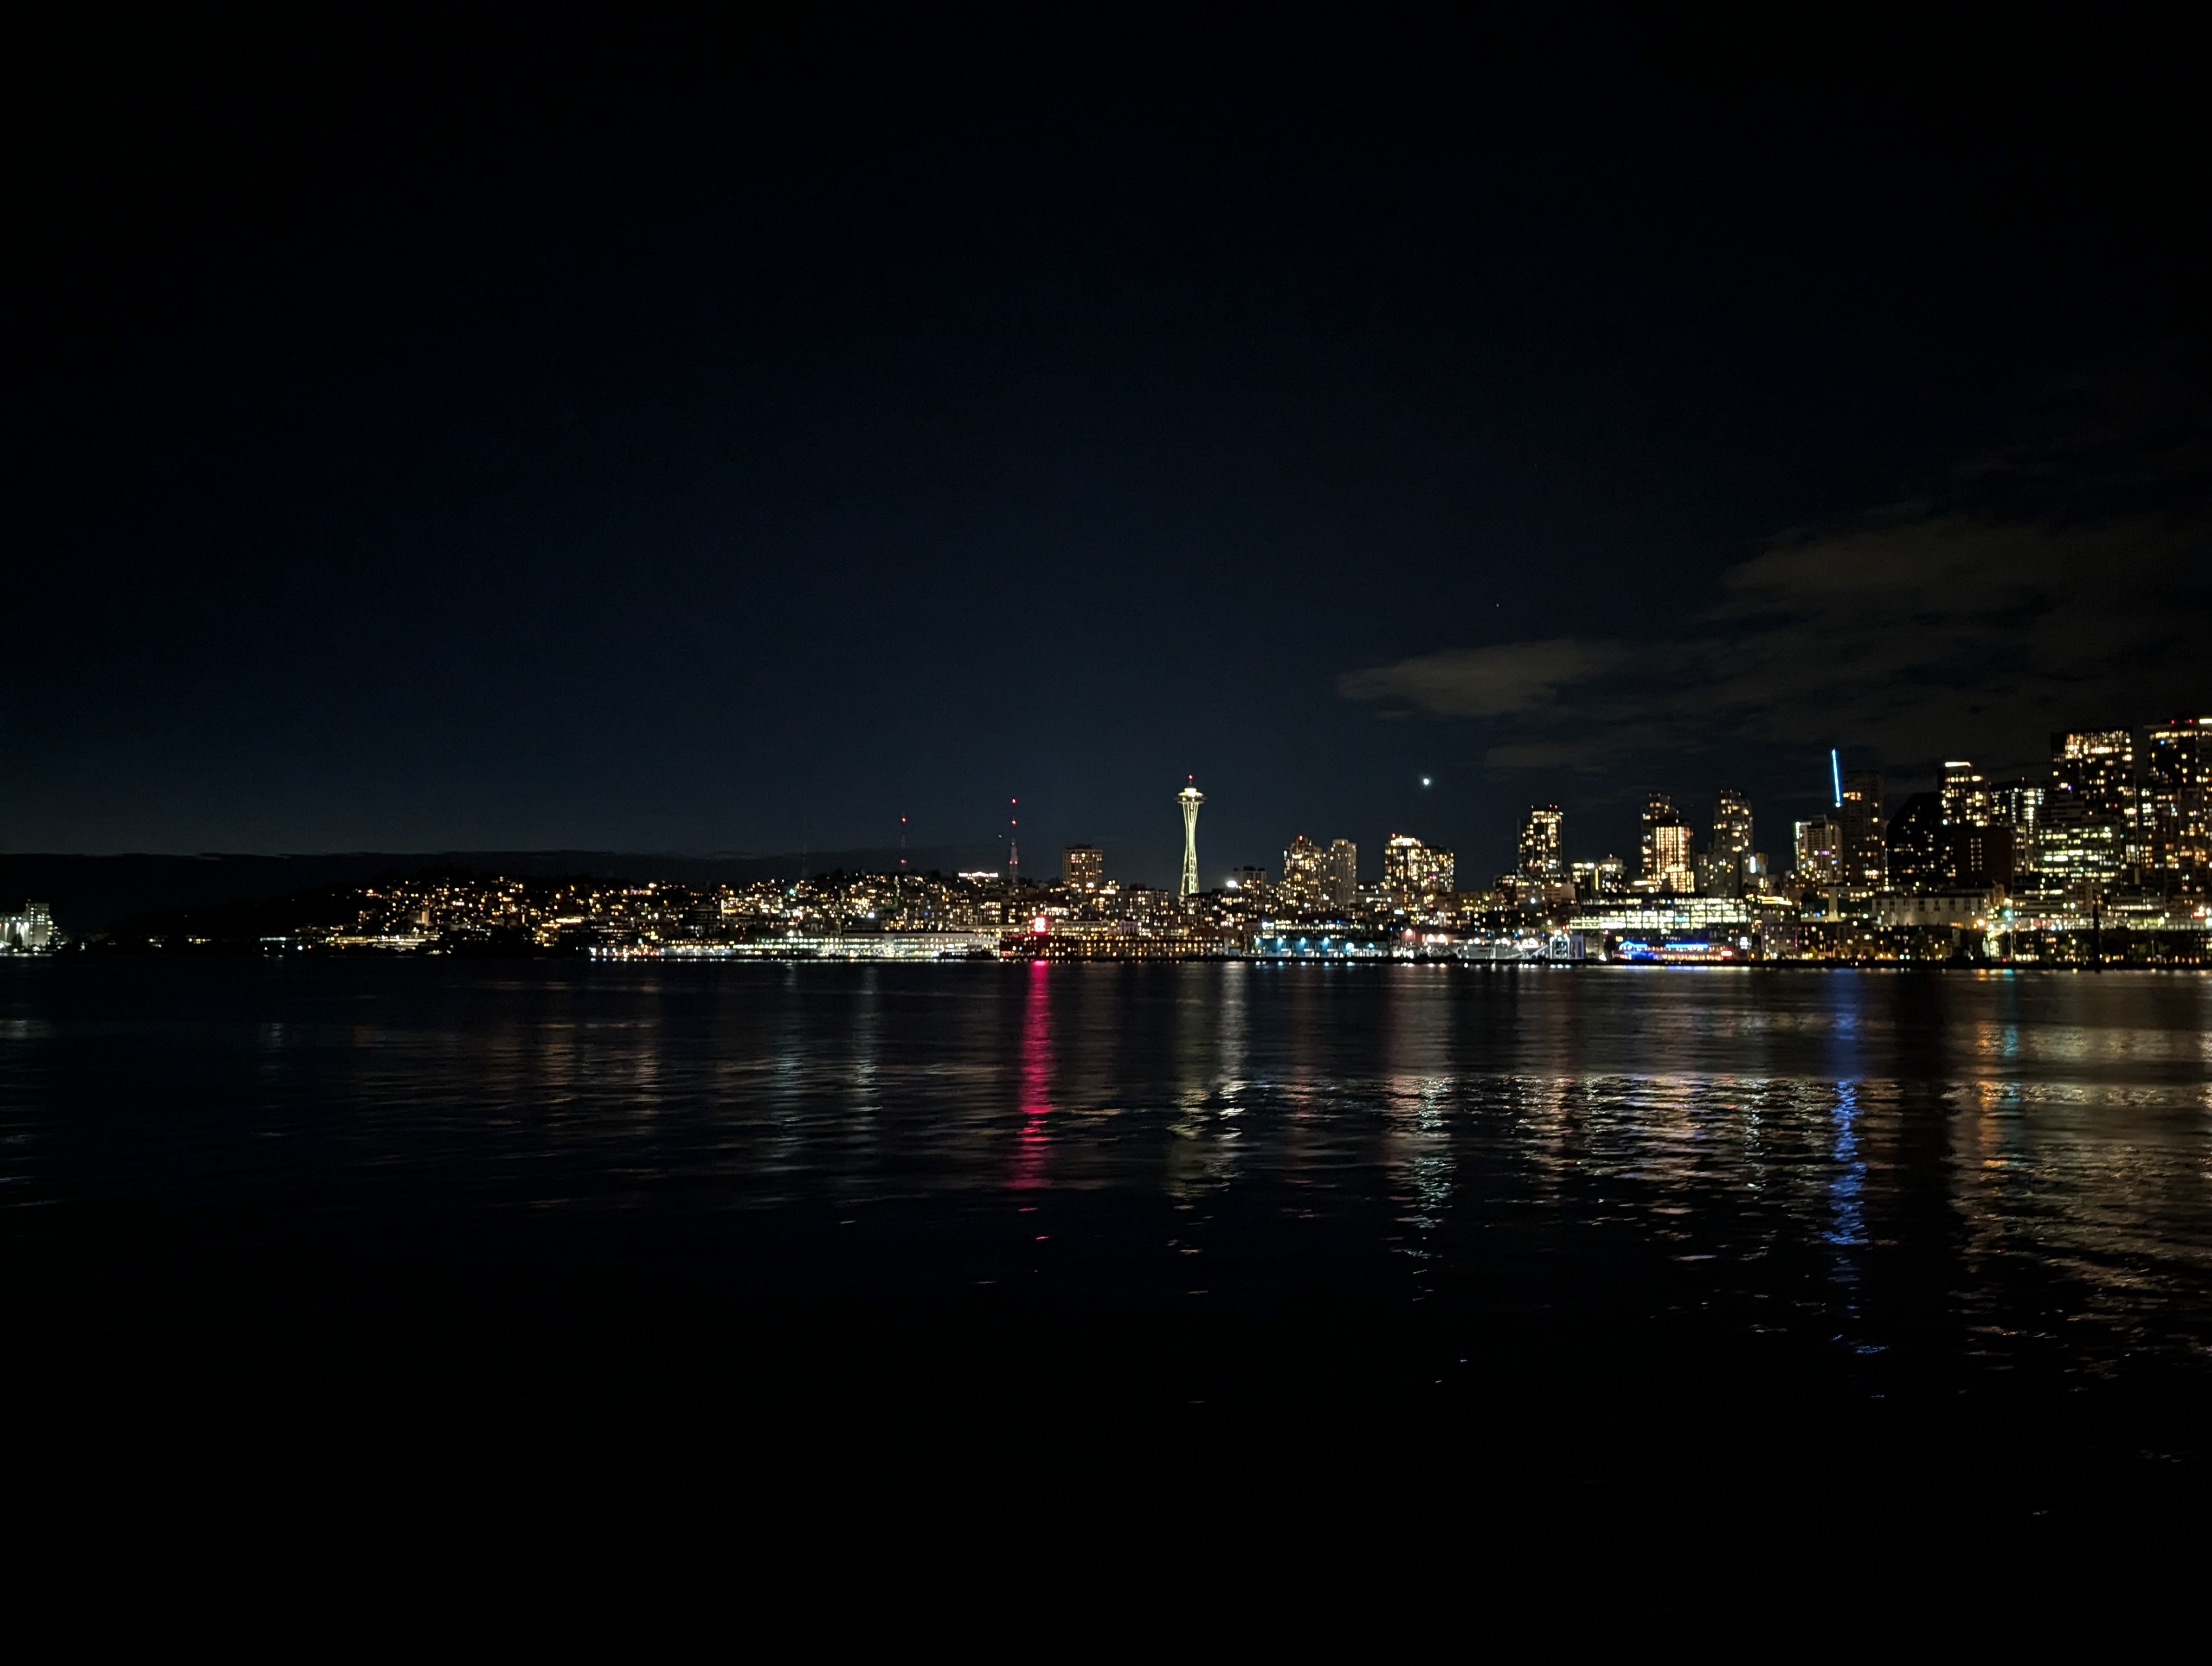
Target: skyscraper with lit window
1722 866
1412 873
1341 874
1304 883
1820 844
1543 844
1966 795
2177 799
1082 867
1918 850
1863 851
1666 850
2091 827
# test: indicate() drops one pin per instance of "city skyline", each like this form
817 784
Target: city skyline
770 455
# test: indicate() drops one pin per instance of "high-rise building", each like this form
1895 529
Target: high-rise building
1250 883
2018 804
1966 795
1666 853
1917 849
1082 867
1721 869
2097 768
1543 840
1819 852
1412 873
1863 852
2178 798
28 931
1306 884
2091 826
1341 875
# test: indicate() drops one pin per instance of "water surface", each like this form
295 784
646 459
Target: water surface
1847 1187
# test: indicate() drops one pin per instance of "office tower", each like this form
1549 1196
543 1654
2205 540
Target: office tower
1966 795
1305 883
1542 849
1918 852
1819 852
2090 817
2097 768
1863 852
1412 873
1666 853
1721 871
1082 867
1341 875
2177 797
1250 883
1190 798
2018 804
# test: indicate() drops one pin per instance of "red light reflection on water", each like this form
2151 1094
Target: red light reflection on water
1036 1083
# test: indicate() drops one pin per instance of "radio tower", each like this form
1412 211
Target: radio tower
1190 798
1013 843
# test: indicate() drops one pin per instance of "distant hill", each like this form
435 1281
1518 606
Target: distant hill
91 893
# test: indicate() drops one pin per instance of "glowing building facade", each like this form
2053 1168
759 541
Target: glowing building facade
1082 868
1667 867
1542 852
1412 873
1862 852
2178 799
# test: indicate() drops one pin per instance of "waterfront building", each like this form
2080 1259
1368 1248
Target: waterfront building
1608 877
1666 850
2177 799
30 930
1723 869
2018 804
1966 795
1304 882
1341 875
1819 852
2096 768
1863 853
1542 847
1414 874
1917 859
1082 868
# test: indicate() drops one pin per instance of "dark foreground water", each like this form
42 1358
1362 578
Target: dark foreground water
1704 1268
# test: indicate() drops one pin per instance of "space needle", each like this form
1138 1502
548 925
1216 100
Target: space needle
1190 798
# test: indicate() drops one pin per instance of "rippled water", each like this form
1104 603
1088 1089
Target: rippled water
1992 1172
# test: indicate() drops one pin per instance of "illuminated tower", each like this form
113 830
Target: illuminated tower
1543 837
1190 798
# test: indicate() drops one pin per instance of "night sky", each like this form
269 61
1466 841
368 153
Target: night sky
561 431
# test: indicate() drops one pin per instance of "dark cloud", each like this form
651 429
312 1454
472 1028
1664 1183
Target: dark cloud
1484 682
2064 580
